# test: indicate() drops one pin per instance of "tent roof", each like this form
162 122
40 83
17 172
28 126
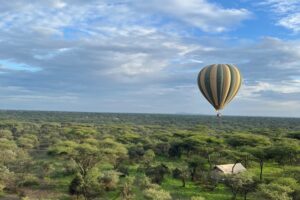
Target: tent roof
227 169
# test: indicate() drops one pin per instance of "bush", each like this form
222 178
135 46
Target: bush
76 186
197 198
109 180
29 180
156 194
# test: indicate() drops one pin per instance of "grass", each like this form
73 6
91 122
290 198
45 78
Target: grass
178 192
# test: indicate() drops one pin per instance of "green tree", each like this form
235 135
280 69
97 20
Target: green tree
273 191
127 192
85 155
240 183
148 157
197 198
109 180
286 151
243 139
196 165
156 193
262 155
27 141
76 187
181 173
157 173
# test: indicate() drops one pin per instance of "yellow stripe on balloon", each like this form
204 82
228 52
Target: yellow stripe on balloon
226 84
213 84
237 85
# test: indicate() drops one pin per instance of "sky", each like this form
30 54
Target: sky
144 56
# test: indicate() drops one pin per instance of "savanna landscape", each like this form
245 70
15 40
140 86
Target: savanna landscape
60 155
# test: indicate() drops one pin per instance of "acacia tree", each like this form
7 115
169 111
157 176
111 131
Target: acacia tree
85 156
88 153
285 151
77 186
262 155
157 173
127 189
273 191
240 183
182 174
195 165
148 157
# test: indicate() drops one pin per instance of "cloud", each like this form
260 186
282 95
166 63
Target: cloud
287 12
207 16
133 57
282 88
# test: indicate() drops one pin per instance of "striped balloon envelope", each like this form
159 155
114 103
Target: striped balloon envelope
219 83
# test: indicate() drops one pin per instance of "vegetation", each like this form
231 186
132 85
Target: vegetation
58 155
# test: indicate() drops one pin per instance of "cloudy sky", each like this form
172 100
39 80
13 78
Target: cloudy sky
144 56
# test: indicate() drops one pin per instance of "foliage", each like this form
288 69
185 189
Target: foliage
156 194
57 155
109 180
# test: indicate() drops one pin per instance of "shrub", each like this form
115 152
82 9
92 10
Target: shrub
156 194
109 180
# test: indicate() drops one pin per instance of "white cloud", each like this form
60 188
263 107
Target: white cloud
254 91
207 16
287 12
137 56
138 64
291 21
51 17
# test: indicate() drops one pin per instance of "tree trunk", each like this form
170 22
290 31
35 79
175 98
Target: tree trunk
245 195
261 163
183 182
232 170
246 161
193 174
209 161
234 196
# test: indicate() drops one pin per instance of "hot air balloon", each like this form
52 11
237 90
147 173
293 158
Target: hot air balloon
219 83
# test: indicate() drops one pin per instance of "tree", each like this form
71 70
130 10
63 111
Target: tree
109 180
8 151
148 157
7 178
136 152
156 193
113 152
127 189
291 183
261 154
273 191
4 133
197 198
77 186
285 151
196 164
240 183
175 150
243 139
182 174
162 149
157 173
85 156
249 183
27 141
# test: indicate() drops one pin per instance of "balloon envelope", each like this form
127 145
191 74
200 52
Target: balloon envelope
219 83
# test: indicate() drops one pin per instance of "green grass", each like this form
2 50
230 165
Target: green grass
270 170
178 192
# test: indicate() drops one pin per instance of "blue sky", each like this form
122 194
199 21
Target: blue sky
144 56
